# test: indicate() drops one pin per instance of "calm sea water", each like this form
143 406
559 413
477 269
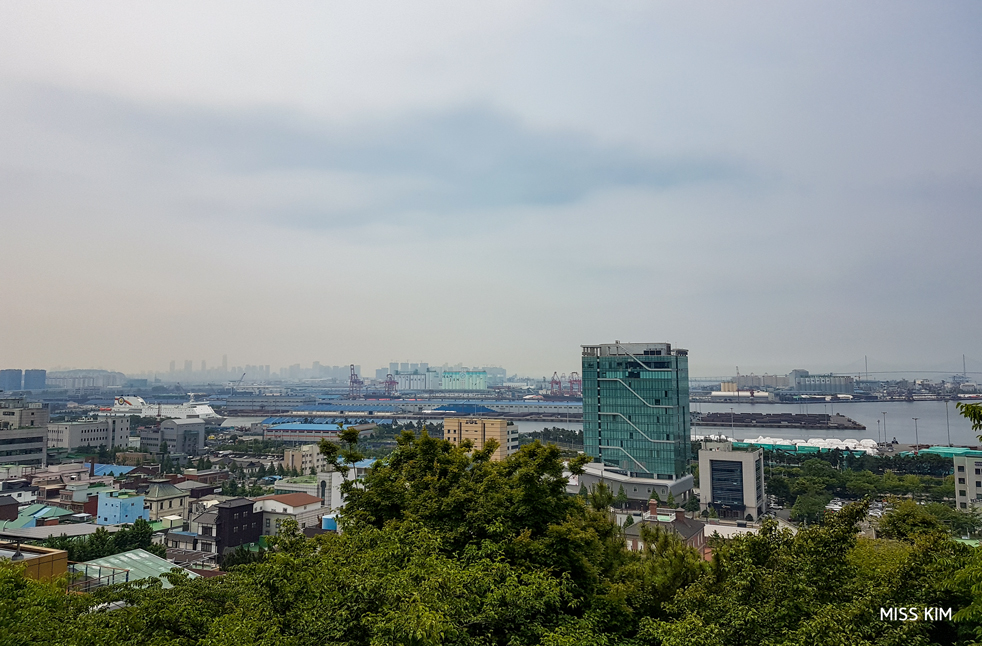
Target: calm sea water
932 427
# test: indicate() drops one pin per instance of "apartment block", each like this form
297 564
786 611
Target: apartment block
479 430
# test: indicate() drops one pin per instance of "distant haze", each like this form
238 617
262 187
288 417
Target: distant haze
769 184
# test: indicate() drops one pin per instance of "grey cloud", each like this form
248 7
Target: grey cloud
471 157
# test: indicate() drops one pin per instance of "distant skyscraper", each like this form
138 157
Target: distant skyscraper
173 366
636 408
35 379
204 365
11 379
224 363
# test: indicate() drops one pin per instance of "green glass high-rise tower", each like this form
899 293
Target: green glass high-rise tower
636 409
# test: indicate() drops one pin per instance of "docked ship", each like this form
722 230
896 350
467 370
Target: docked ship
133 405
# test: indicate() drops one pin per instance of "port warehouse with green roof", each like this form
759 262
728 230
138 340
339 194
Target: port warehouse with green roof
792 448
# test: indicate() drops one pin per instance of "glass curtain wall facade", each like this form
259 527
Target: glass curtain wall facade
636 408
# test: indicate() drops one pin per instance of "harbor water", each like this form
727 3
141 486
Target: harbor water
932 424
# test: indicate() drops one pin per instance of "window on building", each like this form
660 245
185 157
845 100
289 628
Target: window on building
961 469
235 530
961 492
235 516
267 522
961 480
962 505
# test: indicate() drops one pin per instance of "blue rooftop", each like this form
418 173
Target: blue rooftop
115 470
300 426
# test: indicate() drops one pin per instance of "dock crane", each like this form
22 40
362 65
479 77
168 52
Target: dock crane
237 383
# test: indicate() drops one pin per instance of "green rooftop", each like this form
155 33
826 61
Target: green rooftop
300 480
141 564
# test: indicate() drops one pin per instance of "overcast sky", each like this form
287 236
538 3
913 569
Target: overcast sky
770 185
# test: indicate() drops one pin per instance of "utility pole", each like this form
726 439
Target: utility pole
916 443
884 427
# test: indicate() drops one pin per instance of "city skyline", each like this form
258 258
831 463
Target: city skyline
771 185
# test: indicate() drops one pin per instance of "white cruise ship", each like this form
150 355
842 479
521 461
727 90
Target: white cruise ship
133 405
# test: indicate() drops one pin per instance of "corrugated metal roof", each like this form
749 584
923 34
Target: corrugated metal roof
111 469
141 564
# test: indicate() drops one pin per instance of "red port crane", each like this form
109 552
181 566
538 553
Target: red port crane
354 384
390 385
555 386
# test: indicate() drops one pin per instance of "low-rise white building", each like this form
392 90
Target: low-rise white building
108 432
304 508
732 482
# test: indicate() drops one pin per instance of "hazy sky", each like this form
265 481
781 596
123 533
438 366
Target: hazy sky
771 185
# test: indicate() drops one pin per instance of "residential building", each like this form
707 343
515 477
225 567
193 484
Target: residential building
325 486
8 508
56 477
304 508
237 524
23 432
197 489
479 430
20 490
118 507
184 436
968 480
83 497
207 476
673 521
28 446
304 458
35 379
732 482
108 432
636 411
165 500
11 380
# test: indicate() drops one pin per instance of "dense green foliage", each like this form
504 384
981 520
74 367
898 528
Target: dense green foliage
104 543
442 545
818 479
562 437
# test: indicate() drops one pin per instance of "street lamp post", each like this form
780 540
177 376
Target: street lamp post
884 427
947 421
916 443
877 431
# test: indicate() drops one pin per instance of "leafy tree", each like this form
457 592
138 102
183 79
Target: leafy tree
819 586
241 556
692 504
671 501
628 521
621 498
809 507
101 543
